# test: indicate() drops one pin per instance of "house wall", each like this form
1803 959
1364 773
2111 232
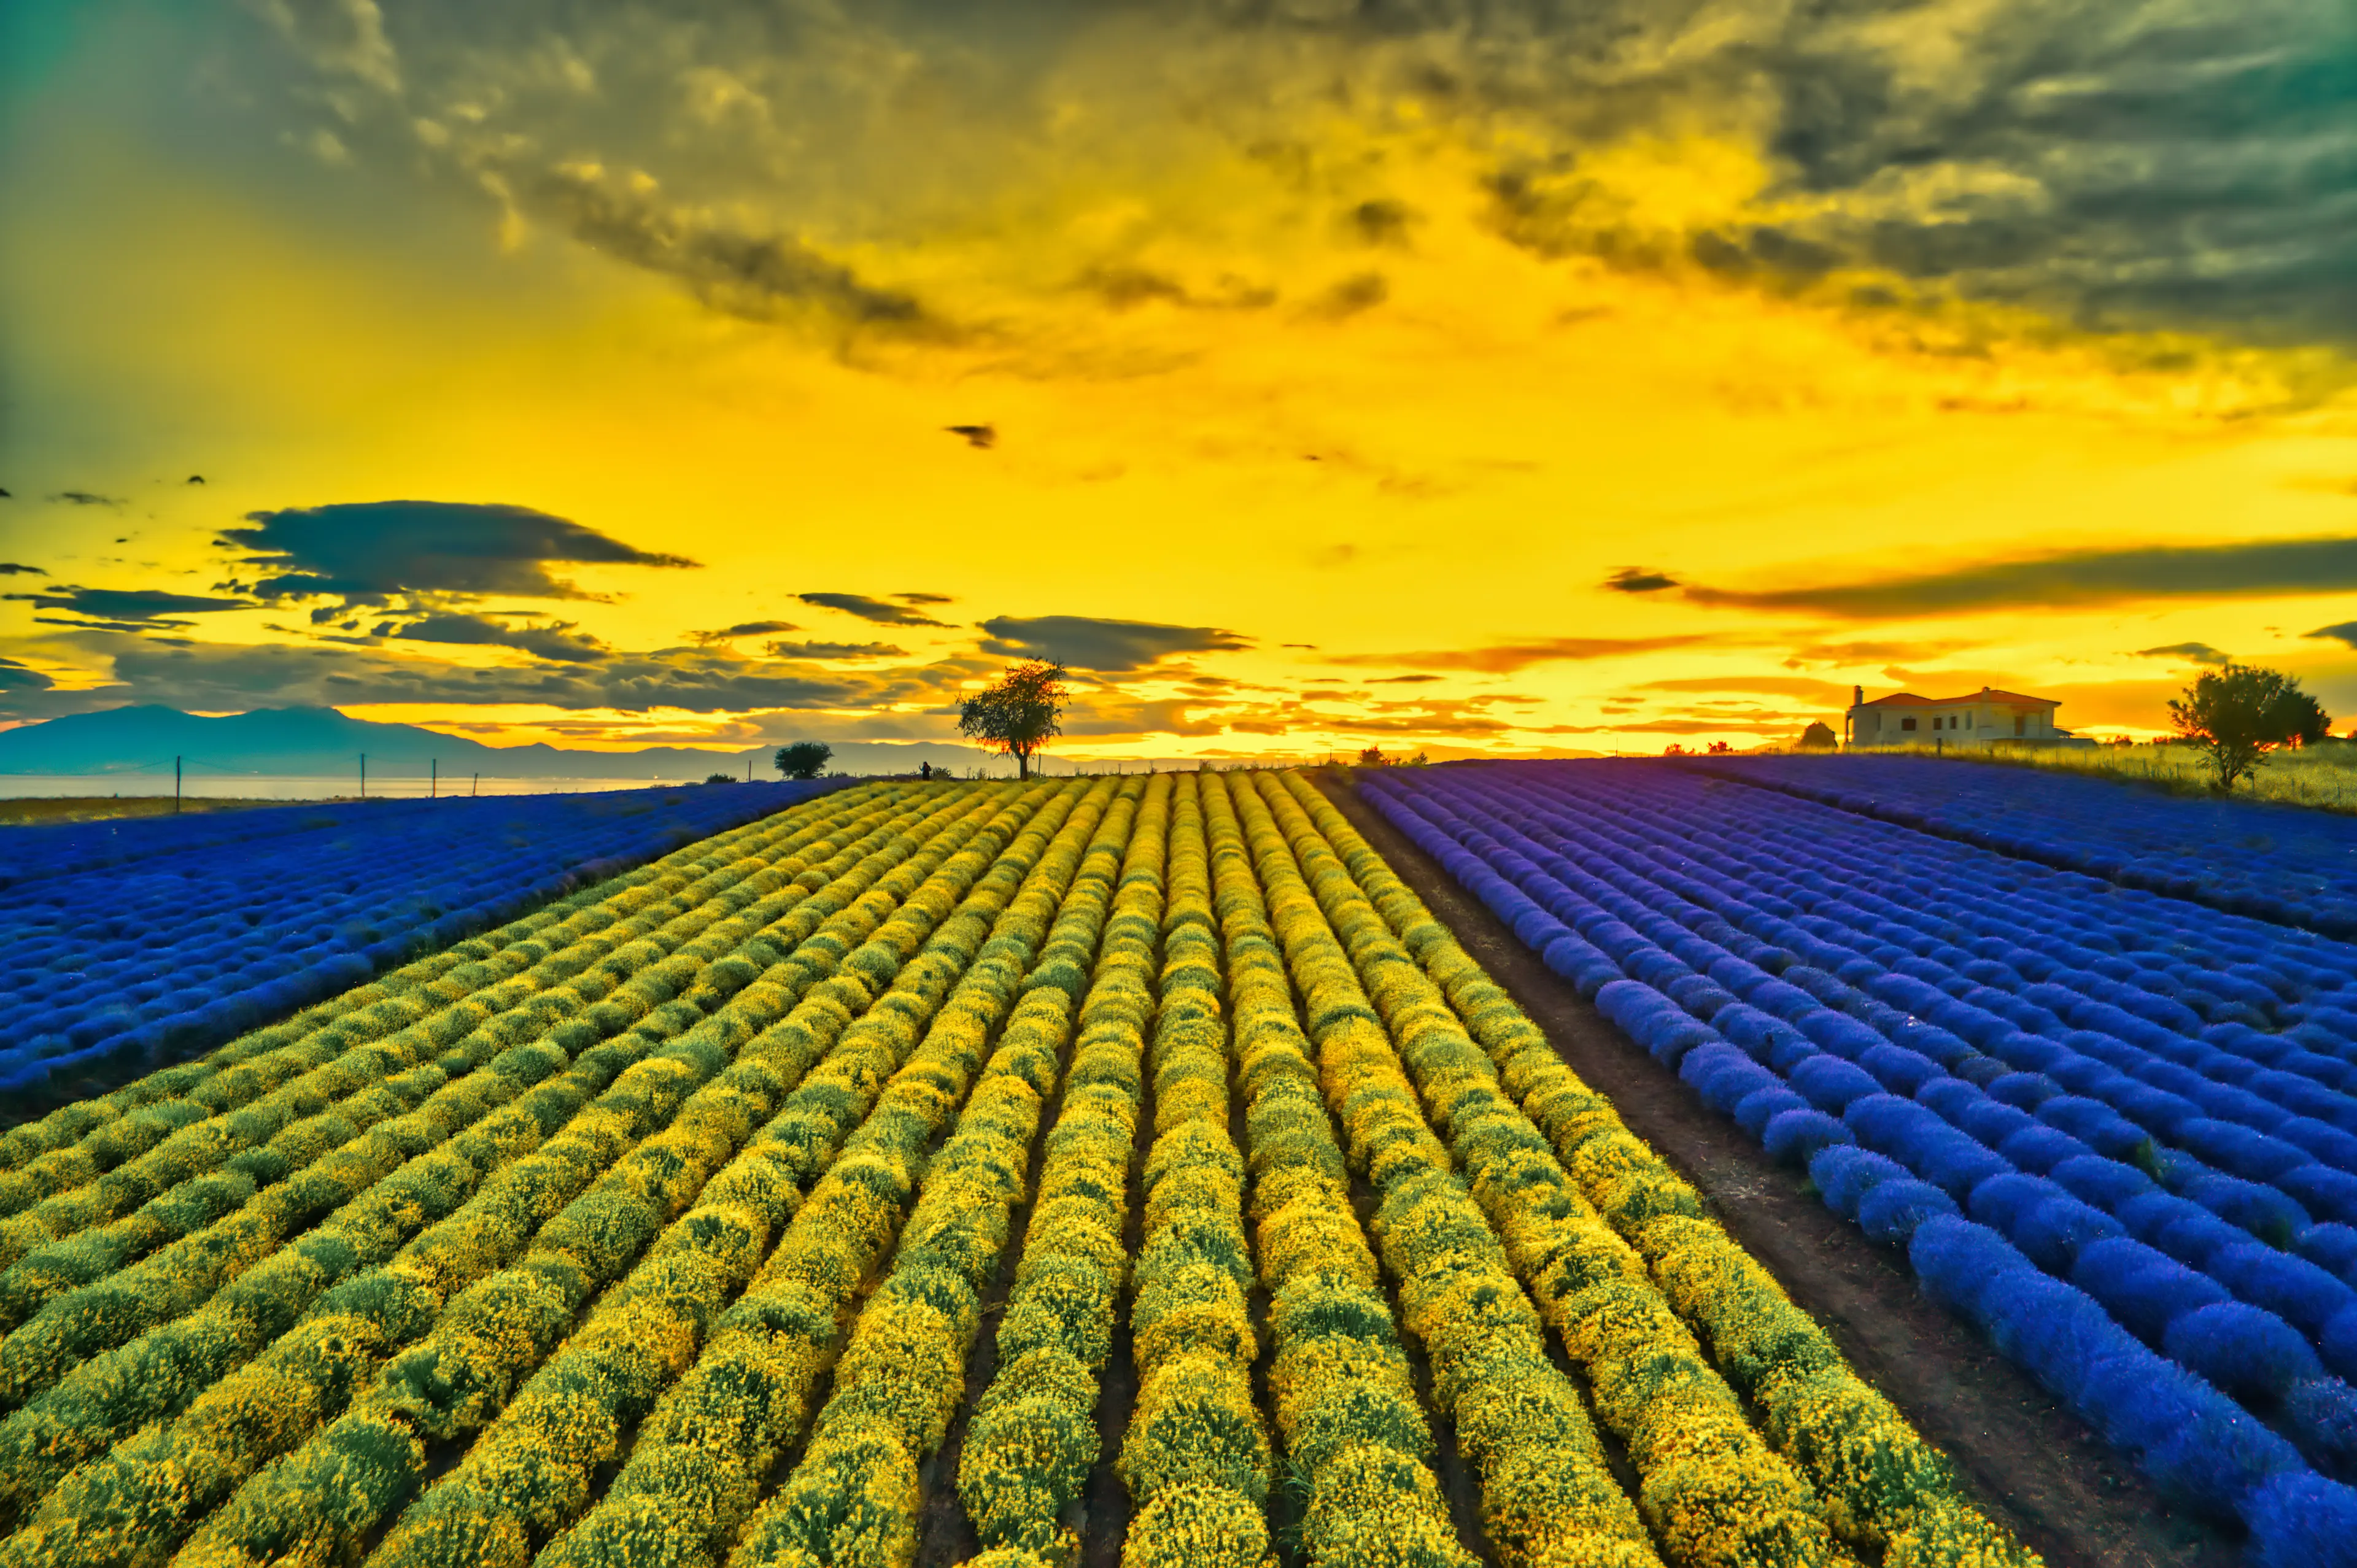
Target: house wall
1958 724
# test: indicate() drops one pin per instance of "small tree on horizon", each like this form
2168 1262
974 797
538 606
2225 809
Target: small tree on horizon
1018 713
1819 736
2240 712
804 758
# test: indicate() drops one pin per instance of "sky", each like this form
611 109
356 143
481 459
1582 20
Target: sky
1498 379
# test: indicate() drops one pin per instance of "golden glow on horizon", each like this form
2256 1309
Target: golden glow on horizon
1208 415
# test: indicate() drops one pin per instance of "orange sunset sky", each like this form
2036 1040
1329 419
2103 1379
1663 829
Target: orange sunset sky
1509 378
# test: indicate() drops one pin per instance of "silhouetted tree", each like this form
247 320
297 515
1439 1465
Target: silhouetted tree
1372 757
2239 713
804 758
1019 713
720 779
1819 736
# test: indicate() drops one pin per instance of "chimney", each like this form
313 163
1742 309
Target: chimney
1858 696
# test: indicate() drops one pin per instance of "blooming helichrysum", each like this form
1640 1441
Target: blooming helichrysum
1344 1403
902 1375
1033 1437
328 1495
694 1469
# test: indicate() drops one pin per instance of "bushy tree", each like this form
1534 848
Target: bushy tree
804 758
2239 713
1372 757
1018 713
720 779
1819 736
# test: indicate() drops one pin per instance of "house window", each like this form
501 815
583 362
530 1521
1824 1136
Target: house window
2021 723
1908 723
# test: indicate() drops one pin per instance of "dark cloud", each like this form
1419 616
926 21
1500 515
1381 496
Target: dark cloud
1403 680
2134 162
2202 653
2255 570
742 628
982 435
221 677
1108 646
1504 657
865 609
130 608
86 498
2345 633
18 569
366 551
836 650
20 677
562 641
925 599
1632 580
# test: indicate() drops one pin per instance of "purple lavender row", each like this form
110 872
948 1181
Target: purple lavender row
2275 862
138 965
1883 1104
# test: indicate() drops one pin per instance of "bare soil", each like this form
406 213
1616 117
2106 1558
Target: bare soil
2027 1462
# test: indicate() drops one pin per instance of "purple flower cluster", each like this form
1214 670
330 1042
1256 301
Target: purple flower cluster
161 939
2115 1130
2284 864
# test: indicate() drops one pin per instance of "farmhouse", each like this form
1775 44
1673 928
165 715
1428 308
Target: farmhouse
1985 717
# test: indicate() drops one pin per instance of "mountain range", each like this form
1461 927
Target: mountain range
325 743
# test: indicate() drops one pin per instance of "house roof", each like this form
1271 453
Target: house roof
1985 695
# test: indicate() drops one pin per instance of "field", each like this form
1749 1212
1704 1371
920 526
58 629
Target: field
1145 1170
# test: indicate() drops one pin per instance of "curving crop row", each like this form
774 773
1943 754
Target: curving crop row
1346 1405
2277 862
1033 1435
82 1306
856 1494
1890 1077
353 1306
524 1289
697 1462
171 953
1710 1487
529 1473
258 1097
1884 1490
1547 1487
1196 1456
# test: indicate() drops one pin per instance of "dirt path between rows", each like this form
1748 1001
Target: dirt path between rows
2029 1463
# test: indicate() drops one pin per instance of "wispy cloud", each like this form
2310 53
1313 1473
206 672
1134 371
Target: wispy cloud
2202 653
869 609
1502 658
366 551
1097 643
147 610
2255 569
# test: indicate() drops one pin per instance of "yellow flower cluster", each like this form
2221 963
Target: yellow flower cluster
697 1464
1547 1494
1033 1435
439 1153
287 1071
1884 1490
76 1322
1196 1457
1346 1406
529 1473
153 1488
319 1502
902 1377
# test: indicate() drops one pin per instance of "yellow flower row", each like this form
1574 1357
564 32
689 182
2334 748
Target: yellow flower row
1715 1495
96 1135
902 1376
697 1462
87 1312
1884 1488
152 1489
1547 1494
348 1477
1196 1456
1346 1405
1033 1437
528 1475
349 1056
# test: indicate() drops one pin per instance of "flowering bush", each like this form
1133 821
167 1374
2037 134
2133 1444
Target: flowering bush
133 945
2084 1101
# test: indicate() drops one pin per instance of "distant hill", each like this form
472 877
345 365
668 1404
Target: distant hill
325 743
